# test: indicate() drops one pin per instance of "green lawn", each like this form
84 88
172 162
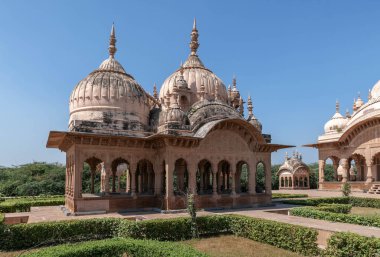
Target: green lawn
365 211
231 246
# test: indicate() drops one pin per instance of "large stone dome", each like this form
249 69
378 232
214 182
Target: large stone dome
196 75
110 96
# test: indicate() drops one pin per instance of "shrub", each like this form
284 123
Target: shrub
318 201
310 212
24 204
291 237
277 196
119 246
365 202
335 207
22 236
1 218
344 244
346 189
174 229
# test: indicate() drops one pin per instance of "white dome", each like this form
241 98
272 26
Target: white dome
196 75
375 92
337 123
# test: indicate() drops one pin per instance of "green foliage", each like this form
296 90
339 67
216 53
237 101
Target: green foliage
1 218
260 178
23 204
344 244
336 208
32 179
118 247
355 201
346 189
193 214
291 237
278 196
22 236
311 212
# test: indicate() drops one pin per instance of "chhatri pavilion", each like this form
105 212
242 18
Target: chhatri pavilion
190 137
352 145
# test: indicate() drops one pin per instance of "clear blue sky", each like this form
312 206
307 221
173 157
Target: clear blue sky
294 57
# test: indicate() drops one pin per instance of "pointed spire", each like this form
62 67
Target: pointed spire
250 106
337 106
112 47
234 82
155 94
194 44
167 99
369 94
348 115
241 106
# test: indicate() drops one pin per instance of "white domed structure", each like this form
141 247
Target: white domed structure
109 98
336 123
375 92
196 75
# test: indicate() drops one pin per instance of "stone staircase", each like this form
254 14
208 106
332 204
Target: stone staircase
375 189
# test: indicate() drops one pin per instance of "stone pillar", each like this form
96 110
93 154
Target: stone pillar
344 163
252 177
369 171
321 167
139 184
113 181
192 172
133 167
214 169
169 168
157 179
268 176
201 184
128 181
118 183
233 184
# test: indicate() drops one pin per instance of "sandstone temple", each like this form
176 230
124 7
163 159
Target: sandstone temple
352 145
190 137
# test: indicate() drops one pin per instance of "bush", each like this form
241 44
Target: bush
119 246
365 202
1 218
277 196
318 201
310 212
344 244
290 237
24 204
335 207
22 236
346 189
174 229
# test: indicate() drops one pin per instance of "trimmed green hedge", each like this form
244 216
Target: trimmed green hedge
311 212
335 207
23 236
344 244
278 195
24 205
175 229
290 237
117 247
355 201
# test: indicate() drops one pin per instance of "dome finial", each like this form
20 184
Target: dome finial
194 44
112 47
250 106
155 94
337 106
234 82
369 94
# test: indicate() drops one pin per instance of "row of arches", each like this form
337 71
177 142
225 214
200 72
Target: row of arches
296 182
124 179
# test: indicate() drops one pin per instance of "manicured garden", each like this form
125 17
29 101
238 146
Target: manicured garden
23 204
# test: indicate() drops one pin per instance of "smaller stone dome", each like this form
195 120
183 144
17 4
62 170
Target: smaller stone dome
375 92
175 115
359 102
337 123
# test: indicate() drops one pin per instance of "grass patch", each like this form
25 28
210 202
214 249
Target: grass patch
365 211
228 246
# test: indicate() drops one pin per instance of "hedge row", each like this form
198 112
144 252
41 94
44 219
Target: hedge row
290 237
31 197
23 236
344 244
310 212
21 205
278 195
119 247
335 207
355 201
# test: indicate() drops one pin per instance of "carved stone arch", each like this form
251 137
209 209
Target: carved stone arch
353 132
